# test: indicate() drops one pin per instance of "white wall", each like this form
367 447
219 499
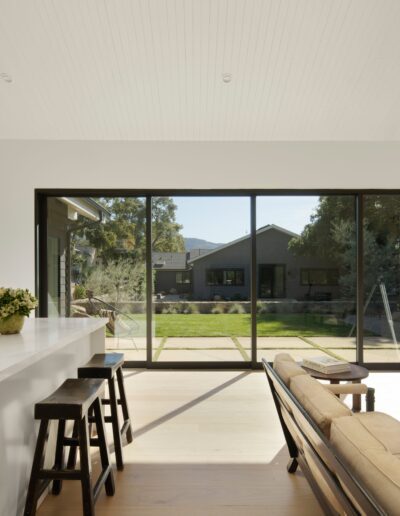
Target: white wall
26 165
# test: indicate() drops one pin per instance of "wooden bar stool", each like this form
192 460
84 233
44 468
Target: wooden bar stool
108 366
71 401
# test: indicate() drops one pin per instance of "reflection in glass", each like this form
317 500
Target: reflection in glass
96 266
381 278
306 281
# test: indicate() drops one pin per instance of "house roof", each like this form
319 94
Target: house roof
169 261
234 242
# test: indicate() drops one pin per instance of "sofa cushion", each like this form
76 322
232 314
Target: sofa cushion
321 404
287 368
384 428
369 445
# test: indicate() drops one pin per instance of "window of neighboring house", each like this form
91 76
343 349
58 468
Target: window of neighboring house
183 277
225 277
319 277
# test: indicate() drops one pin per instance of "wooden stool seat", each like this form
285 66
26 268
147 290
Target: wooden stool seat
77 400
71 400
102 365
109 367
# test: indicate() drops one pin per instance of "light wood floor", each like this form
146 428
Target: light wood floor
206 443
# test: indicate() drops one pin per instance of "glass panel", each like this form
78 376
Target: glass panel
207 241
306 276
96 266
382 278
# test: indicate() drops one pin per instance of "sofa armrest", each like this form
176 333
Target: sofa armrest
354 389
347 388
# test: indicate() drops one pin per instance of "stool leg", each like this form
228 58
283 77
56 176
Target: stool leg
32 495
59 461
104 454
73 448
86 469
124 405
115 425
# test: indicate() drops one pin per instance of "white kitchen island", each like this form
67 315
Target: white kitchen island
32 365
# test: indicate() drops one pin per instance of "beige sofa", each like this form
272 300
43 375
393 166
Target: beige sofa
352 461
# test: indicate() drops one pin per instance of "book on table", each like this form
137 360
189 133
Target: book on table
326 364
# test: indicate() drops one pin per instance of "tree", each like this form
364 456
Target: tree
331 234
118 281
166 235
120 243
123 233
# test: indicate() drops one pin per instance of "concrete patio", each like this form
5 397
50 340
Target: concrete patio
236 349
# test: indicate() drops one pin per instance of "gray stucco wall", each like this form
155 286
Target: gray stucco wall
166 280
272 248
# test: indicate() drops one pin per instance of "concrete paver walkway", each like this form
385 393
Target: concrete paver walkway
220 349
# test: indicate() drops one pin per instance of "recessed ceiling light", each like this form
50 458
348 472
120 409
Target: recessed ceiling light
5 77
227 77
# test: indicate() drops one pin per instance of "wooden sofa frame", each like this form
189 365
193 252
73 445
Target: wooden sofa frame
310 449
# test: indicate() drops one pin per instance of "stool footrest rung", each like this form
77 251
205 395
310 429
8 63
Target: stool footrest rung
60 474
106 401
71 441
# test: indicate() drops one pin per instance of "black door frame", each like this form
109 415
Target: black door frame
41 196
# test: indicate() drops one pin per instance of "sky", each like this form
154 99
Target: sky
223 219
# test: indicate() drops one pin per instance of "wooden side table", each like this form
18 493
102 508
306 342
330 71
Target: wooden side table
355 375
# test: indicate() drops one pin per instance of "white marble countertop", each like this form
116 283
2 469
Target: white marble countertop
39 338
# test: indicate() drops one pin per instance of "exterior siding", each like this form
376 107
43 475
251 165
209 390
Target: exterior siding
272 248
164 281
235 256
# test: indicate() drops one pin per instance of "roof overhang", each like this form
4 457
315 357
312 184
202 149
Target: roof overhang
83 206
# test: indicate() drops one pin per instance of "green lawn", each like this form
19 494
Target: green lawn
231 325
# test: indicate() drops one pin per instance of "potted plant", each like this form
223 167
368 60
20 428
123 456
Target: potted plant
15 305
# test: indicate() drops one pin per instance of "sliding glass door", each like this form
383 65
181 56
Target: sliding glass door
225 279
306 281
201 279
381 278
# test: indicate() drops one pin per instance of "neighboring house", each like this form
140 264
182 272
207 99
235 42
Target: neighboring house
171 273
62 220
225 271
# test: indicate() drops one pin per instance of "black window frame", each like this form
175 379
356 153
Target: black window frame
221 271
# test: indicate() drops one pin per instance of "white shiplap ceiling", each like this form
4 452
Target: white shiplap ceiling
152 69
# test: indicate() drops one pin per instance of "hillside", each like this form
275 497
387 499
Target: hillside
198 243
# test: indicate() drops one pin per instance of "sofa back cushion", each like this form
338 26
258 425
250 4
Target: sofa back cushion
369 445
318 402
287 368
